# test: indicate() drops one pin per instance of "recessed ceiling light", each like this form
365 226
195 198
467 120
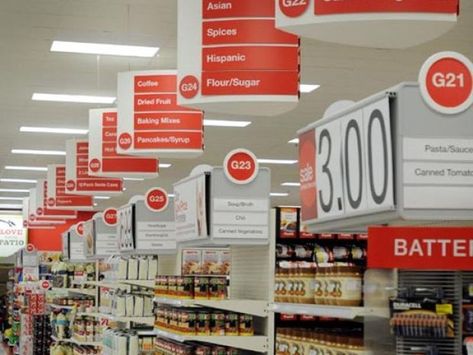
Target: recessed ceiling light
307 88
277 161
104 49
15 190
3 198
226 123
292 184
73 98
26 168
38 152
8 206
26 181
278 194
54 130
133 179
294 141
102 197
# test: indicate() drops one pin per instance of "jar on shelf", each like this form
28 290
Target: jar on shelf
319 286
306 285
349 284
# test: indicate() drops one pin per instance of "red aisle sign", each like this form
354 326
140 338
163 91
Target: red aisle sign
42 197
324 7
109 217
240 166
308 190
156 199
432 248
78 180
446 82
149 119
245 58
57 196
103 157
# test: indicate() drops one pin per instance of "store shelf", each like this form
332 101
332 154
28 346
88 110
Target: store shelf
141 320
106 284
256 343
82 291
329 311
92 314
141 283
58 306
77 342
253 307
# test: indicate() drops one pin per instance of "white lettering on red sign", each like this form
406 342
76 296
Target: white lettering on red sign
110 217
446 82
156 199
293 8
189 86
240 166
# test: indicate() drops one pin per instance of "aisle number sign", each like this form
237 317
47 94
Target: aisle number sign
240 166
156 199
346 164
446 82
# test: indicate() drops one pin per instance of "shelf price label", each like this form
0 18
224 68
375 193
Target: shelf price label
353 165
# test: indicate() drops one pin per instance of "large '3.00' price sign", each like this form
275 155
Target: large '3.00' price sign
346 164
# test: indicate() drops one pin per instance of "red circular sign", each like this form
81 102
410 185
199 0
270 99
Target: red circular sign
240 166
39 211
32 217
446 82
189 86
95 165
51 201
156 199
293 8
45 285
25 224
30 248
70 185
109 217
124 141
80 228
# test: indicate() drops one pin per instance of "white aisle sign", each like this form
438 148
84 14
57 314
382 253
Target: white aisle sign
190 208
354 172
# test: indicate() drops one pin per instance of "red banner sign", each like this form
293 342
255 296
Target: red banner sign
324 7
442 248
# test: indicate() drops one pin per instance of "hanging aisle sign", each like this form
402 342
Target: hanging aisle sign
435 248
103 157
368 23
42 207
27 223
105 228
58 198
38 219
232 59
150 122
78 180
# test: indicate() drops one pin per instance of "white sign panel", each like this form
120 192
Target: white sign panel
231 218
354 158
190 208
155 235
438 173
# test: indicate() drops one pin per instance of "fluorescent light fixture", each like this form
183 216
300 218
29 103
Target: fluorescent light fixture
278 194
104 49
11 207
26 168
87 99
95 204
133 179
171 195
102 197
15 190
26 181
11 198
277 161
124 189
307 88
291 184
294 141
165 165
225 123
53 130
38 152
